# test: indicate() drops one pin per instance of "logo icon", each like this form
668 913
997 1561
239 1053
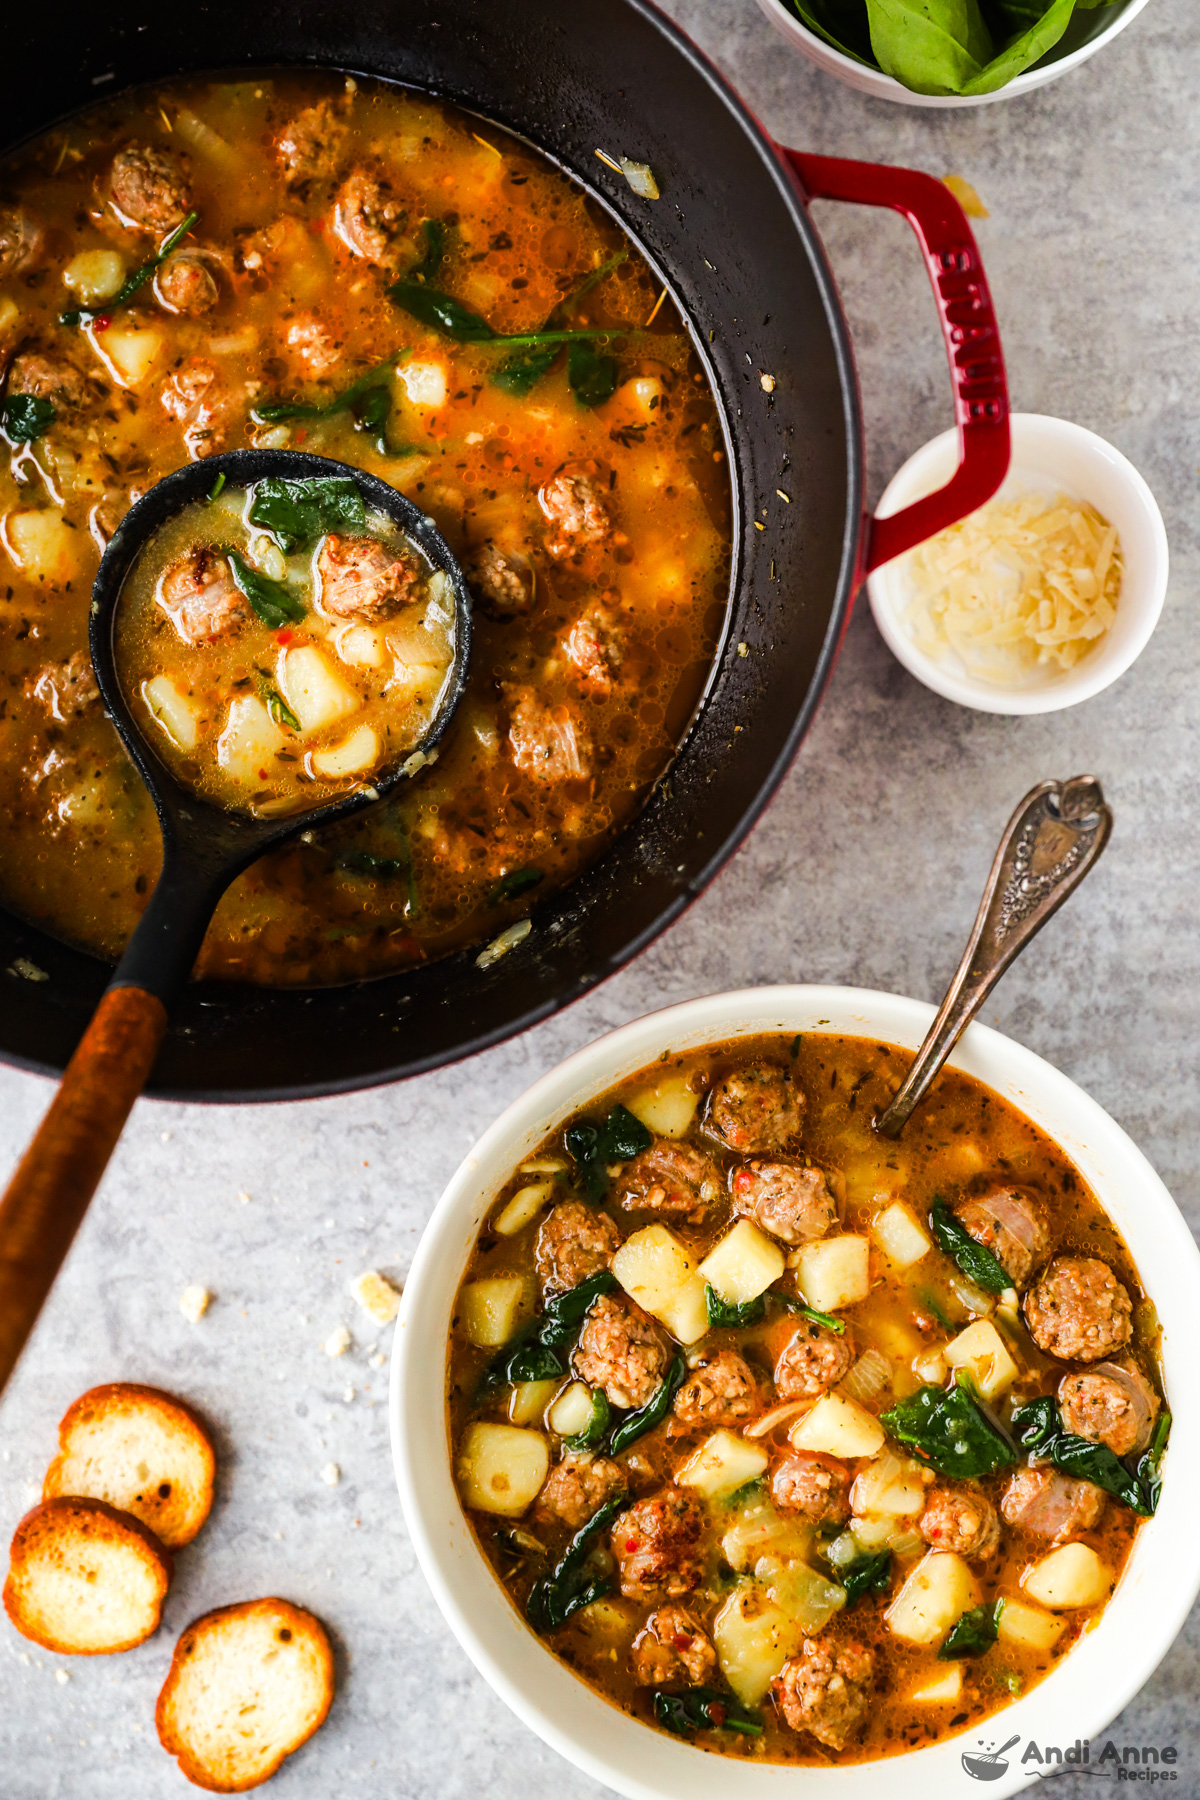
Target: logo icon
988 1765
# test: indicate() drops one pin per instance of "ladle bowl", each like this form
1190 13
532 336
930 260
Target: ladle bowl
205 846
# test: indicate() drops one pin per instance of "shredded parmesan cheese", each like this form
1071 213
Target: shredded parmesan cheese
1017 592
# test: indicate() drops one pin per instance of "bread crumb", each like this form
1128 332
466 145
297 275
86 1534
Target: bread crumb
62 1676
377 1296
194 1303
338 1342
377 1359
331 1474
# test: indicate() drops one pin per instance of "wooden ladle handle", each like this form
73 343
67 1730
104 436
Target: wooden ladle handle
61 1170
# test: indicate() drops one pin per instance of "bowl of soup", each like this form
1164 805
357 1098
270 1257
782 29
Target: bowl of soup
735 1440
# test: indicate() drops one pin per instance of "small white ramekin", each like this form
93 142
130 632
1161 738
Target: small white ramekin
1048 454
1102 26
1084 1691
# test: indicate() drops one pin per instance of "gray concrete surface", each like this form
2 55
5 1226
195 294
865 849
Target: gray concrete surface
866 870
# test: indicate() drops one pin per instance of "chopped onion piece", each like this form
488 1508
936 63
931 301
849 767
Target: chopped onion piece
640 177
869 1375
500 946
775 1417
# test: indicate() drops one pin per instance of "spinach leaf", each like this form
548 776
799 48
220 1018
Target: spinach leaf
635 1424
931 46
84 315
27 417
1149 1467
429 306
732 1313
973 1633
435 250
591 376
569 1585
704 1709
795 1305
296 512
518 882
533 1353
948 1430
594 1146
279 710
597 1425
217 489
843 25
976 1263
273 412
1029 46
383 868
521 372
274 604
869 1575
1038 1425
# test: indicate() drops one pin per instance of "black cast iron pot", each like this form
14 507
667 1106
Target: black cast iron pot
732 239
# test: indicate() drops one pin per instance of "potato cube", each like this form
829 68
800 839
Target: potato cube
524 1207
753 1639
892 1485
667 1109
759 1531
723 1463
43 546
608 1619
363 646
657 1271
839 1427
176 712
805 1596
871 1534
1028 1626
355 755
743 1265
251 740
94 275
941 1689
572 1411
982 1350
424 383
834 1272
493 1307
501 1468
938 1592
1071 1576
901 1237
314 690
529 1399
129 352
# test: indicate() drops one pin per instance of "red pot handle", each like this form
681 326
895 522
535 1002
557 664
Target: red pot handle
968 326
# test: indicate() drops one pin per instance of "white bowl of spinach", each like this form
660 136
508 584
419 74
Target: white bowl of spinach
949 52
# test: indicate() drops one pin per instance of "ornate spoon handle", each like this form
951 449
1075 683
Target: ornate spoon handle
1052 840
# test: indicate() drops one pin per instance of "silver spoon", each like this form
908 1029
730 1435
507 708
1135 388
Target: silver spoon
1051 842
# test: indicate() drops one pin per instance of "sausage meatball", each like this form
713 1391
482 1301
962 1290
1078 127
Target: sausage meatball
501 579
47 378
576 1488
1078 1311
150 188
309 146
545 740
621 1350
362 579
1112 1404
720 1392
655 1544
815 1486
757 1108
576 515
825 1690
20 241
812 1360
186 284
960 1519
575 1241
670 1178
594 647
1051 1505
367 217
201 599
67 689
197 396
672 1649
793 1203
1008 1221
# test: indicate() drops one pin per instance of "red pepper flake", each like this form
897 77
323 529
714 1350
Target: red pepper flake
631 1543
316 226
302 434
262 774
284 637
681 1641
102 323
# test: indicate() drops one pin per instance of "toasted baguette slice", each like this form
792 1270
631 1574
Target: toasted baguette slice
84 1578
142 1451
248 1685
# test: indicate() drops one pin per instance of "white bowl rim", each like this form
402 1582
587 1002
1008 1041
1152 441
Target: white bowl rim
870 80
1107 664
1088 1687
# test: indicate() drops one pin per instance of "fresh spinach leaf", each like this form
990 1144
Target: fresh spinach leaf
84 315
973 1633
704 1709
635 1424
594 1146
976 1263
593 1433
27 417
732 1313
1149 1467
570 1585
842 23
518 882
931 46
591 375
533 1353
803 1311
274 604
869 1575
948 1430
1038 1425
298 511
1039 35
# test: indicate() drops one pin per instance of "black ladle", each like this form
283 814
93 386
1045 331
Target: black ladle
204 848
